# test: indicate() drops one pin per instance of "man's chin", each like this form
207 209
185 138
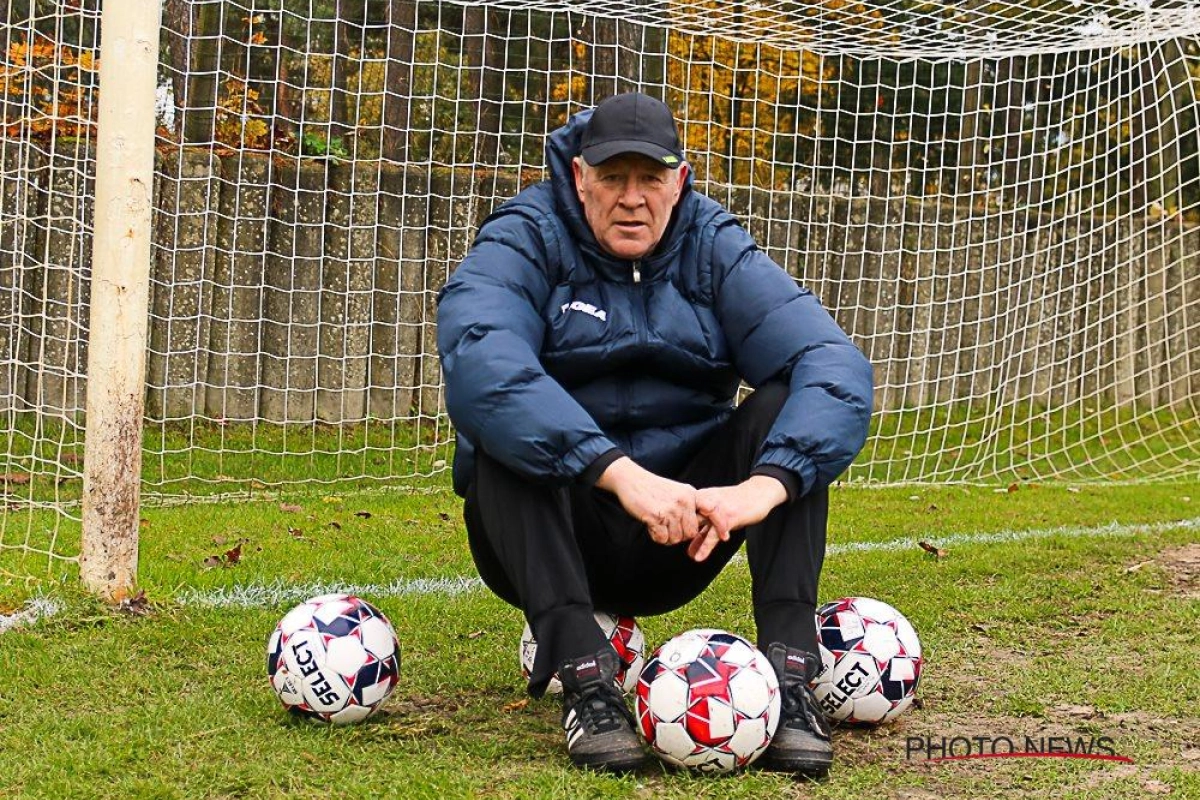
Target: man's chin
630 249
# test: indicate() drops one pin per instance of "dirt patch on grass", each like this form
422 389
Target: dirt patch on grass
1182 566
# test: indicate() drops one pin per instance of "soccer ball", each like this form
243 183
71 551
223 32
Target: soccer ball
708 700
333 658
870 661
623 634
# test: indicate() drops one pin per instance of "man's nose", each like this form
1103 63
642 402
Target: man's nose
631 194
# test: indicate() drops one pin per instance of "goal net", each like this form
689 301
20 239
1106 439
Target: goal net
998 200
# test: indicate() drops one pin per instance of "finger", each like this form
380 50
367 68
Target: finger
690 526
719 525
679 530
671 533
701 547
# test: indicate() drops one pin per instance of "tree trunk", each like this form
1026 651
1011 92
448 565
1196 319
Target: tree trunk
397 100
484 52
198 100
177 25
347 35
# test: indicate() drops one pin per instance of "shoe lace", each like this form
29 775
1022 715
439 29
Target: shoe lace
600 709
800 710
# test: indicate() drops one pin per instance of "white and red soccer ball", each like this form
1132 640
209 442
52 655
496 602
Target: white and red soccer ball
333 658
870 661
708 700
623 634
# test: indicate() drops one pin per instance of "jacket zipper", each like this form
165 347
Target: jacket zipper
637 272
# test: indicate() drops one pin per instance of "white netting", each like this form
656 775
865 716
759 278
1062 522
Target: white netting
998 200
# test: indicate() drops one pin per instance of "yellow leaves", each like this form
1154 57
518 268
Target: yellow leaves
240 120
745 97
254 133
53 96
238 131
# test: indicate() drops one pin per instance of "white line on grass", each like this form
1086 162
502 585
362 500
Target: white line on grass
34 610
280 593
1066 531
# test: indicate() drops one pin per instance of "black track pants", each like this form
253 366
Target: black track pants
558 553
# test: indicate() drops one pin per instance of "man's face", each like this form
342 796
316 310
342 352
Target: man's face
628 202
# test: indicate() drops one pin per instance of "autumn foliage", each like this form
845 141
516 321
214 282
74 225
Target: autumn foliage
47 89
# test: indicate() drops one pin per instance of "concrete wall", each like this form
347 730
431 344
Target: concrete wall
301 291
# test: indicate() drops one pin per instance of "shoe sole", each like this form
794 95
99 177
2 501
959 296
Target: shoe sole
609 762
806 767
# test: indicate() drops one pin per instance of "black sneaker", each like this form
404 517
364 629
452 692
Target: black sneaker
801 743
599 726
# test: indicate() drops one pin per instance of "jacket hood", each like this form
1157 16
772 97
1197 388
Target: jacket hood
562 146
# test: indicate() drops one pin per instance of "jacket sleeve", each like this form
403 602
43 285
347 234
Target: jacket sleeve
777 330
489 333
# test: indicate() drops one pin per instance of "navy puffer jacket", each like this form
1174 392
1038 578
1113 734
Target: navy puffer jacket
553 354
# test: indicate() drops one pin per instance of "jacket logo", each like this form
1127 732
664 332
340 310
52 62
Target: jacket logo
587 308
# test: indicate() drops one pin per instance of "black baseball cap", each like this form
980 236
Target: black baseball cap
632 123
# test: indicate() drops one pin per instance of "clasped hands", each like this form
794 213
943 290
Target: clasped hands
675 512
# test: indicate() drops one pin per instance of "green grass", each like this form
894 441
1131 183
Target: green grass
958 442
41 459
1059 634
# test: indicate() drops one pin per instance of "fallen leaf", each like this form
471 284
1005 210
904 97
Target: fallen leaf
363 514
296 533
15 478
290 508
137 605
1138 565
1012 487
219 540
475 634
212 561
443 516
932 548
517 705
337 526
234 554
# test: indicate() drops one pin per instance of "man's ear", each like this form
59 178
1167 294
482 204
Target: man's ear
577 169
684 168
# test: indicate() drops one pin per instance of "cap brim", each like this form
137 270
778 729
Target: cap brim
599 153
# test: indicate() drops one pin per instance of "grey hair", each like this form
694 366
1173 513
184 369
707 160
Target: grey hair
583 163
